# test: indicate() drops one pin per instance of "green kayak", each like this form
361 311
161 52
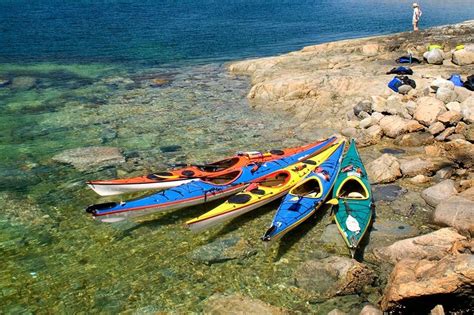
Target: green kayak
352 199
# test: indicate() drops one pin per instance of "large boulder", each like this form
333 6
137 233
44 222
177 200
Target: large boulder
428 109
439 192
446 95
90 157
423 166
393 126
434 245
457 212
333 275
434 56
464 56
218 304
412 279
385 169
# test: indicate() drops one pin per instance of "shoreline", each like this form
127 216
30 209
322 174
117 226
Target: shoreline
425 137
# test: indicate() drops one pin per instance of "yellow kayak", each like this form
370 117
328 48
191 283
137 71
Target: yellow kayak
269 188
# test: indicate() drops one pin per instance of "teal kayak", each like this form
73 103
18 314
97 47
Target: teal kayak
352 199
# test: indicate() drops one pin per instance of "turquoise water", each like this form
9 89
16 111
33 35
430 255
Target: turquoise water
83 73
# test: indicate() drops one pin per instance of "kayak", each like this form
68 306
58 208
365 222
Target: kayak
202 190
184 173
306 197
352 197
266 190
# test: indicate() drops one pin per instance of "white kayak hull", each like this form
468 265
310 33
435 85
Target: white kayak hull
118 189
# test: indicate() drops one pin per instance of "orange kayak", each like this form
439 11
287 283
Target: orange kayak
187 173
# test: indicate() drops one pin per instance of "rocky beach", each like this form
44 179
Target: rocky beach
418 148
64 124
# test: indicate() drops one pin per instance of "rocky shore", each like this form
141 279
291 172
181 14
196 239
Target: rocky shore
418 144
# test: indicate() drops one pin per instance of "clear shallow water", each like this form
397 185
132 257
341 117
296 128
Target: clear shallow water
81 74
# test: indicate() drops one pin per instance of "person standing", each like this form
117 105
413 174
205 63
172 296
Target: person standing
416 16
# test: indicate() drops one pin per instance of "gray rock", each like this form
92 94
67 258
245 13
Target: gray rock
436 128
462 93
446 133
333 276
223 250
408 204
439 192
363 106
350 132
332 236
404 89
434 56
387 231
387 192
414 139
438 83
446 95
444 173
366 122
457 212
90 157
385 169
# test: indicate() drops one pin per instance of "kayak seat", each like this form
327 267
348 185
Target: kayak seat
187 173
352 189
240 198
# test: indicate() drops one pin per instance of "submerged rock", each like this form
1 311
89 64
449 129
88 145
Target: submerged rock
223 250
387 192
433 245
411 280
23 83
218 304
414 139
90 157
170 148
333 276
4 82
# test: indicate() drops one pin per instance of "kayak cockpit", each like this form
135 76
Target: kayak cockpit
220 165
223 179
352 188
275 179
310 188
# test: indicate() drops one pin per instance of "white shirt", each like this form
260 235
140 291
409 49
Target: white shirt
416 14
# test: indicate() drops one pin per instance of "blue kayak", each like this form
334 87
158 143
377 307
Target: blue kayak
306 197
201 190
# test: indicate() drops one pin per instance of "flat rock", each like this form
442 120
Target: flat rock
387 192
428 109
454 106
457 212
450 117
394 151
385 169
222 304
333 275
90 157
422 166
414 139
434 245
383 231
393 126
413 279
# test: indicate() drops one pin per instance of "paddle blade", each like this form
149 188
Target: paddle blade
333 202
